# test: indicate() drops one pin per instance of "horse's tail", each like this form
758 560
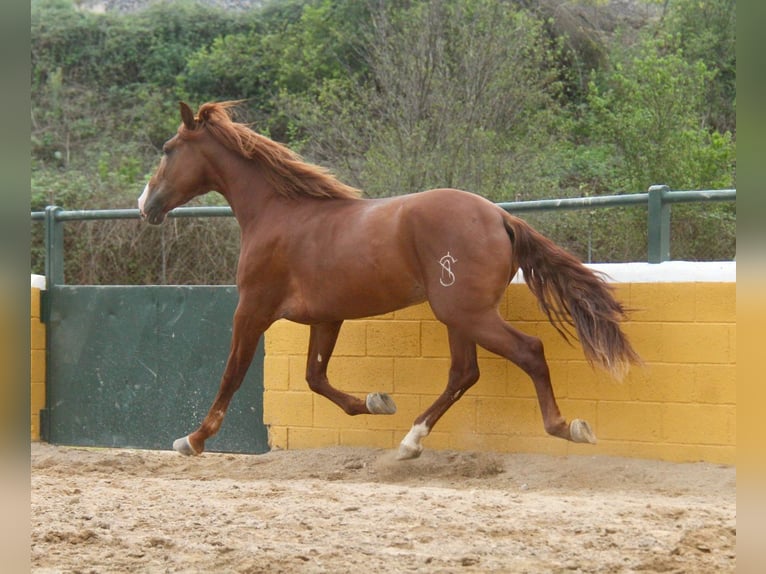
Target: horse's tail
571 294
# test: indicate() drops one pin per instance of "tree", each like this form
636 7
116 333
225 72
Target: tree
706 31
650 107
458 93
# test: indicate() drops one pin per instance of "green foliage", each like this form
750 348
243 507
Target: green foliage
706 32
454 94
649 108
510 100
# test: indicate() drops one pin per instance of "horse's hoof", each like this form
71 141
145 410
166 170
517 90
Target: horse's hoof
380 404
408 452
183 446
580 431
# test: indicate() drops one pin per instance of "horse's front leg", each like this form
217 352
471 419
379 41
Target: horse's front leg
246 332
321 344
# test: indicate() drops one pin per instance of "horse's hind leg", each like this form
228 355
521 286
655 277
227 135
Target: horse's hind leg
321 344
463 373
497 336
246 333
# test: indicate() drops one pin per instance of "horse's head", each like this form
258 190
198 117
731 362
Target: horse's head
181 175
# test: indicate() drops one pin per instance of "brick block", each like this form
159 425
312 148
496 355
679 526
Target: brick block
36 334
37 397
296 372
695 343
35 303
699 424
306 437
276 372
623 292
37 366
586 382
362 374
329 415
629 421
286 338
352 340
383 317
715 302
518 382
435 441
277 437
420 375
393 338
421 312
34 427
521 305
367 438
696 453
664 302
663 382
539 444
555 346
287 408
433 339
631 449
716 384
672 452
510 416
646 339
461 417
476 442
493 378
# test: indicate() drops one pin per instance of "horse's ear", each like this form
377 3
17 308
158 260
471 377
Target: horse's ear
187 115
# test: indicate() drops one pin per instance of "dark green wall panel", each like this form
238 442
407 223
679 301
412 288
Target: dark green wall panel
139 367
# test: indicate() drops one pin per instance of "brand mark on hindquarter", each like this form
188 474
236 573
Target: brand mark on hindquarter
448 277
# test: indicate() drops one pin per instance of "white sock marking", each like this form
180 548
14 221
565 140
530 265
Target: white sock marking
417 433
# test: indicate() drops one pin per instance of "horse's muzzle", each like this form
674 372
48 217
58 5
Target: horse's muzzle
149 210
154 217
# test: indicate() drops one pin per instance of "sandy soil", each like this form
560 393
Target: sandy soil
358 510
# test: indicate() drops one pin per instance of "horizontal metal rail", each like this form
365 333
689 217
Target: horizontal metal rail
569 203
658 200
96 214
619 200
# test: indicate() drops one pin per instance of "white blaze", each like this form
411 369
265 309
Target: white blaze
142 198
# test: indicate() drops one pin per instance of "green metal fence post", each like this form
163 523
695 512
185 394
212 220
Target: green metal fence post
54 247
658 224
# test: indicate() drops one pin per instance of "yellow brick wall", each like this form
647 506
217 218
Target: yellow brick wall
680 406
37 366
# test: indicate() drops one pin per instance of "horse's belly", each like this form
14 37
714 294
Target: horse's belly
347 297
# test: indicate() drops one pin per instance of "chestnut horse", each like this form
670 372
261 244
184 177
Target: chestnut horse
312 251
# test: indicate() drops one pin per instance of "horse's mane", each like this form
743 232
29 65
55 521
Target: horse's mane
288 173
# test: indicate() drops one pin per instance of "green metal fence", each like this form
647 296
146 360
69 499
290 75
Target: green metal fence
658 199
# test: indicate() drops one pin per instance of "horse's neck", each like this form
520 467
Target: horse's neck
247 191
